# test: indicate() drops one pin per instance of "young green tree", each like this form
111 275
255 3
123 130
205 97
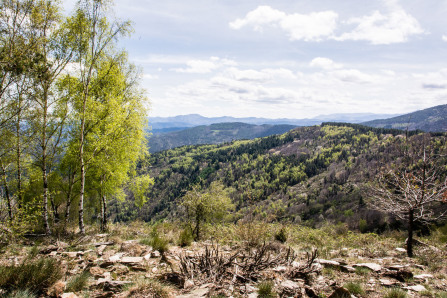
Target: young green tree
50 111
94 35
117 141
205 206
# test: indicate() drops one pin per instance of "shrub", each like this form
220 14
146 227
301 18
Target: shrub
281 236
149 288
362 271
78 282
265 290
157 242
395 293
355 288
21 294
363 226
253 233
185 238
33 275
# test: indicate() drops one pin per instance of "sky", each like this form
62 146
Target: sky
287 58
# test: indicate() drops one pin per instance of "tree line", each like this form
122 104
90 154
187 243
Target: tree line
72 114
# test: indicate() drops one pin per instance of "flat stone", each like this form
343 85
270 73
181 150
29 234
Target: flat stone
131 260
116 258
200 292
147 256
417 288
329 263
69 295
372 266
280 269
387 282
400 249
101 249
71 254
156 254
396 267
347 269
423 276
97 271
188 284
290 284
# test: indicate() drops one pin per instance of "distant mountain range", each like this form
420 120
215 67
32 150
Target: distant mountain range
432 119
164 124
172 132
214 134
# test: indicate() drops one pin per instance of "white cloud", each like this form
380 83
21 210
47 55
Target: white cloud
324 63
150 76
198 66
396 26
205 66
353 76
308 27
444 37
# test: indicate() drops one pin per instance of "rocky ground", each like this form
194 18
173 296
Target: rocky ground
132 269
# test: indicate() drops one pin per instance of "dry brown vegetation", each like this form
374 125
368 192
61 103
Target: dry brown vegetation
122 263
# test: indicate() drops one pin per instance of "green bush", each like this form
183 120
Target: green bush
265 289
78 282
355 288
281 236
185 238
21 294
363 226
34 275
157 242
395 293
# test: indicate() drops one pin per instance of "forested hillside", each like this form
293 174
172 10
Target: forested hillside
432 119
214 134
309 175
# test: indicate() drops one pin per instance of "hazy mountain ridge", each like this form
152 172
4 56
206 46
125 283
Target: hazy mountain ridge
197 120
433 119
214 134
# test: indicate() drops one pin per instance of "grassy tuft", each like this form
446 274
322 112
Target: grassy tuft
34 275
355 288
185 238
150 288
281 236
21 294
395 293
78 282
265 289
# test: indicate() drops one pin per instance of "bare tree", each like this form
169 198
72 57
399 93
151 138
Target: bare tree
415 190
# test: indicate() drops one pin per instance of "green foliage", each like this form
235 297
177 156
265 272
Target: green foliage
149 288
362 271
158 242
395 293
281 236
265 289
185 238
355 288
78 282
363 226
207 206
34 275
21 294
